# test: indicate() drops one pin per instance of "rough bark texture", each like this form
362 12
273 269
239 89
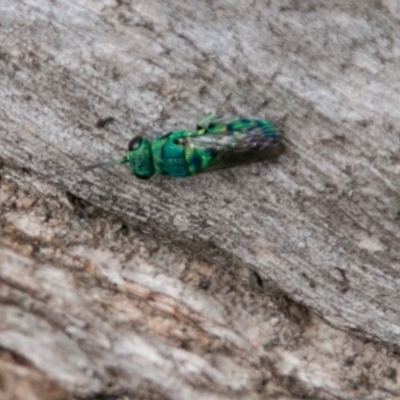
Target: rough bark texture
266 281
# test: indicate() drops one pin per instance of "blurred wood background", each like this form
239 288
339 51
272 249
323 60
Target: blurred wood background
273 280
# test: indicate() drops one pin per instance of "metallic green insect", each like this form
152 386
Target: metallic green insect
214 144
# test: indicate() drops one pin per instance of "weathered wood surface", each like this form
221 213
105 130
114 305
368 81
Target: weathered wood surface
99 296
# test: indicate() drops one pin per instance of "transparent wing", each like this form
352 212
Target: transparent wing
239 145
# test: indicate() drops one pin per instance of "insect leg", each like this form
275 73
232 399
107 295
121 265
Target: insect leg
205 122
255 109
219 108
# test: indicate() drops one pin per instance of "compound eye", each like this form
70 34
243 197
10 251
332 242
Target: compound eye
135 143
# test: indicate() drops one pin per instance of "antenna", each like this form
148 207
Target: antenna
106 164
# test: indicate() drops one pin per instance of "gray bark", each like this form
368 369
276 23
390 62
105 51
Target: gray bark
273 280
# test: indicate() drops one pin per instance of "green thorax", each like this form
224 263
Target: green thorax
167 156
